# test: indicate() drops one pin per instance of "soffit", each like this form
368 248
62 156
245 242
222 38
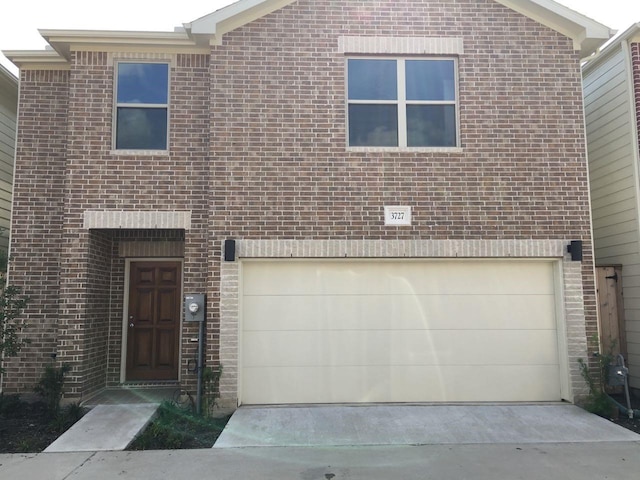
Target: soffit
629 36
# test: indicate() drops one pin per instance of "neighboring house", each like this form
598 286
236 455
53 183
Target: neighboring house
8 111
612 104
376 197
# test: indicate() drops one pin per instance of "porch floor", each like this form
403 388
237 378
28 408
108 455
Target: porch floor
131 395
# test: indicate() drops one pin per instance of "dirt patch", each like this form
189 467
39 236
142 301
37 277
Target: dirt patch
28 426
623 420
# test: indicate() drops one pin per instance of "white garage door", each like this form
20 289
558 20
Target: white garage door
398 331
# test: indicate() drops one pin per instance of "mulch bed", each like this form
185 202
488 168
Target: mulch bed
621 419
27 427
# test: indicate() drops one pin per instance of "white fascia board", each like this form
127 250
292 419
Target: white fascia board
40 59
587 34
233 16
63 40
630 35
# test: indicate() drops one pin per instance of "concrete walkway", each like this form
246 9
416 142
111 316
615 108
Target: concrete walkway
105 427
566 461
592 448
326 426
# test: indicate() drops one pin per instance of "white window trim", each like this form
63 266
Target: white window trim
117 105
402 103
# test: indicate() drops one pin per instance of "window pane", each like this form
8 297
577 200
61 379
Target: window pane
141 129
431 126
372 80
373 125
143 83
430 80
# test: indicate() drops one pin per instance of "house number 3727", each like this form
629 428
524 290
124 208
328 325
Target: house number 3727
397 215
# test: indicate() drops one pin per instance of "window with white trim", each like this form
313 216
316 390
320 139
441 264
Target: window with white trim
142 106
402 102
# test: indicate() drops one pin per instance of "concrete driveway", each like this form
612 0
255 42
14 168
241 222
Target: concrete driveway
330 426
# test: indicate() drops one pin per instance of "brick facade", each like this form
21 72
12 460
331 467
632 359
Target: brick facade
258 152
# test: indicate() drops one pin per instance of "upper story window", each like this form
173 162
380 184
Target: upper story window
142 92
402 102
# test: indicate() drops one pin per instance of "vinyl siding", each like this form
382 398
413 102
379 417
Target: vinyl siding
614 184
8 106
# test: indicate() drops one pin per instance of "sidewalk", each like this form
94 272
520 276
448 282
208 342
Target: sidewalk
568 461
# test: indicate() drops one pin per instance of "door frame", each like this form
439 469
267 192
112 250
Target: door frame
125 310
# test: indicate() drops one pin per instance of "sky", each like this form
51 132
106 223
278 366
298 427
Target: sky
21 19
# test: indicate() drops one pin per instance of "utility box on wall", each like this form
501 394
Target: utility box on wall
194 307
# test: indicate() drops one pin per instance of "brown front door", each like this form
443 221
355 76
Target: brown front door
153 320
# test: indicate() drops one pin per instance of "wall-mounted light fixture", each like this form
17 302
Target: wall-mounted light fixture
575 249
229 250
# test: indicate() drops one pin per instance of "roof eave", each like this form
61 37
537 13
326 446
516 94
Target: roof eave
37 59
630 35
64 42
587 34
237 14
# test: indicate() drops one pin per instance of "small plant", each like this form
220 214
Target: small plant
12 303
74 412
210 389
598 400
24 446
51 387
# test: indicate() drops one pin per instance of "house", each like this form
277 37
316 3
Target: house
612 105
8 110
382 202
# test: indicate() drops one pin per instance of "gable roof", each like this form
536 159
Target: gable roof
587 34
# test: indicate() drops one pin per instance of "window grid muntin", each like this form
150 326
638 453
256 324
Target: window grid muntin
119 105
402 101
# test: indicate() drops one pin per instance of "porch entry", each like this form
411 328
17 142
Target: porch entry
153 320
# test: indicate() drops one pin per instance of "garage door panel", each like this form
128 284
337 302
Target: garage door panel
361 384
403 278
465 383
406 347
398 331
274 385
403 312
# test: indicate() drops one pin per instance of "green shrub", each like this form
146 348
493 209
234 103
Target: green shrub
598 401
12 303
51 387
210 389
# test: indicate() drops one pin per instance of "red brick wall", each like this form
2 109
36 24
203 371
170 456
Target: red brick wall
86 174
37 217
278 129
278 132
257 150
